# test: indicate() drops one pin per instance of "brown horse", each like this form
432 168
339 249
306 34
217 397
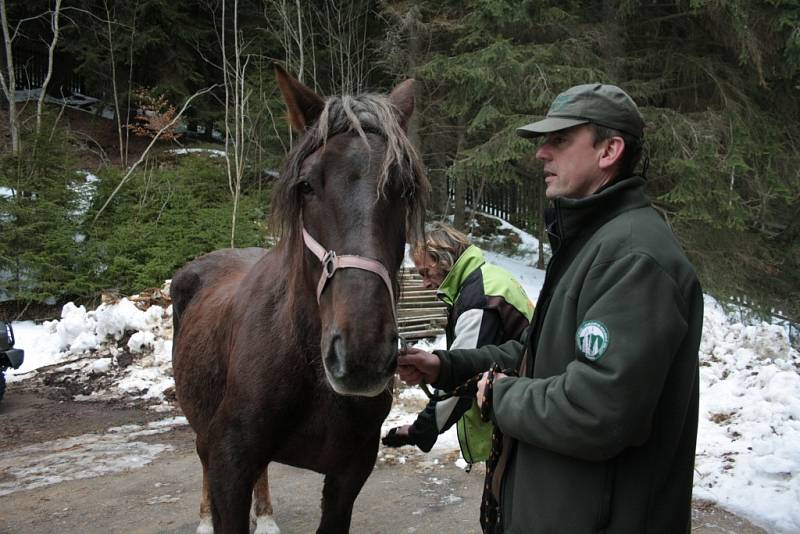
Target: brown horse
287 355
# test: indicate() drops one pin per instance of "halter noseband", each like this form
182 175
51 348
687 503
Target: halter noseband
331 263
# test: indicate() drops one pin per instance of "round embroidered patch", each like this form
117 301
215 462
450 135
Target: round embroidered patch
592 339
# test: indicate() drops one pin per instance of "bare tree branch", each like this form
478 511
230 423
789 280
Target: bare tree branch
147 150
20 22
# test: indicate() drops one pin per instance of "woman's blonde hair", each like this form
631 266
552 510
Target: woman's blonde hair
444 244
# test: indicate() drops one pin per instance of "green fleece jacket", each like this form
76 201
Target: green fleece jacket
604 423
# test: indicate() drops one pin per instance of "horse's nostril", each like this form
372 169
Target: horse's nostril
334 359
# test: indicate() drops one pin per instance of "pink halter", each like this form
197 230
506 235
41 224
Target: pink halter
331 262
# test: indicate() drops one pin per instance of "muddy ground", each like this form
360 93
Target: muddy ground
423 494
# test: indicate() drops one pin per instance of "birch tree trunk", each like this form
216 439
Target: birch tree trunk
9 82
114 83
130 85
236 97
54 15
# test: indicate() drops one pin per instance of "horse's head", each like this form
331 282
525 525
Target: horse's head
356 185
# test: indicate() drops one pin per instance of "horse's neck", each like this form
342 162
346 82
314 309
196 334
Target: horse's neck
300 299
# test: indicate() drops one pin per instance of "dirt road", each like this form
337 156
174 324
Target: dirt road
148 478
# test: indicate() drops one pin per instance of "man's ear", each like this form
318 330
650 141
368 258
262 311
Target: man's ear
613 148
303 104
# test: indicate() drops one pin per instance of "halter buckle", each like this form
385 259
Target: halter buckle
329 263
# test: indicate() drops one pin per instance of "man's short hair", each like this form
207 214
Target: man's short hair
633 148
444 244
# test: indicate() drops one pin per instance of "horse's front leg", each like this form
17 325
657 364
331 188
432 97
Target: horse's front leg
343 486
205 526
261 512
235 462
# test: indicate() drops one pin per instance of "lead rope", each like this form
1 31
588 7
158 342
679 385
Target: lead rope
490 507
468 388
498 458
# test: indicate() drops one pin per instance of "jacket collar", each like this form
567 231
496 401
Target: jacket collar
569 218
469 261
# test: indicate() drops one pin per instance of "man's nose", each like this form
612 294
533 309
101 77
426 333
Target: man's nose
543 153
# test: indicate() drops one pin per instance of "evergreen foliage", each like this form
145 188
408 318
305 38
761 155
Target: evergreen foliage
168 214
717 82
37 222
175 209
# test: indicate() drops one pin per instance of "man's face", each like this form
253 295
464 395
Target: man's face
571 162
432 275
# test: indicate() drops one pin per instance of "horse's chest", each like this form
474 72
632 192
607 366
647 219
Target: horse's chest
326 435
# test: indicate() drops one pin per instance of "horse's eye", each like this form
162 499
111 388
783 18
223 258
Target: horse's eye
305 187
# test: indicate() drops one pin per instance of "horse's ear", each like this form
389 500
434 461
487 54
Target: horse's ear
303 104
402 97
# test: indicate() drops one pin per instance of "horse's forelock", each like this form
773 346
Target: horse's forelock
360 114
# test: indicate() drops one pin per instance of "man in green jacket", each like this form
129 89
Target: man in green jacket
599 429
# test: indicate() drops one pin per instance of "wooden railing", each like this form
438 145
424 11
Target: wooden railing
515 202
30 71
419 313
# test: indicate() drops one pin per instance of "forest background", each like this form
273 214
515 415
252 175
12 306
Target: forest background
718 82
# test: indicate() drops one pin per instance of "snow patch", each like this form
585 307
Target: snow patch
86 456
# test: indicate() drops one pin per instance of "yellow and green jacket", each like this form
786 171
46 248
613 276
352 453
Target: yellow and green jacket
487 305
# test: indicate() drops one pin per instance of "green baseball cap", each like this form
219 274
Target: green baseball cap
596 103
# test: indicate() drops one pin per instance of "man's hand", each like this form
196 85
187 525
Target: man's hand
481 395
416 366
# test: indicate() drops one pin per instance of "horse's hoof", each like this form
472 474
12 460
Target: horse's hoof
267 525
205 526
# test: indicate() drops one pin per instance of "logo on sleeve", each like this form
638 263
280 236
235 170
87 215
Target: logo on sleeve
592 339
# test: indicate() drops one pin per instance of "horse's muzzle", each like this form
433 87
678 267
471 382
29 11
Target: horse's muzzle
352 370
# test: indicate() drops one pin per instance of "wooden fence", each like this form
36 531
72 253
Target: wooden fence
30 71
515 202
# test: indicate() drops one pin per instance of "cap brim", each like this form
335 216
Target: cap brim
545 126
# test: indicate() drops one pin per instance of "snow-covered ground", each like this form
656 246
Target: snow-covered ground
214 153
748 450
85 456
